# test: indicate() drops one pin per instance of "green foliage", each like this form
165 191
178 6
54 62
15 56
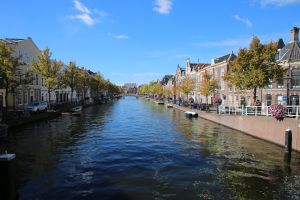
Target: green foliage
157 89
208 85
48 69
187 85
84 80
254 67
144 89
10 71
69 78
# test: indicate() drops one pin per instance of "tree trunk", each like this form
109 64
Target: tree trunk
6 99
206 103
71 94
254 95
49 98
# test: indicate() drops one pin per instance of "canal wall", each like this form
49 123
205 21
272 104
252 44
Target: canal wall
263 127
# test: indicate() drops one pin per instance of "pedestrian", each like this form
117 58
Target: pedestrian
258 104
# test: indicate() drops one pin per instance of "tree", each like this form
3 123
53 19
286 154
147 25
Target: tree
98 84
83 82
208 86
187 85
10 71
157 89
144 89
70 77
49 70
254 67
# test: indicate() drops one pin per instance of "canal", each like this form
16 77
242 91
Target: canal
135 149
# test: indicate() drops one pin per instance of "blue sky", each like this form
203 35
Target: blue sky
141 40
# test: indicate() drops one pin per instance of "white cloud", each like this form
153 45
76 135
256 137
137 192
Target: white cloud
245 21
163 6
278 2
82 8
121 37
85 15
85 18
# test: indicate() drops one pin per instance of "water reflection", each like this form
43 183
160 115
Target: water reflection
135 149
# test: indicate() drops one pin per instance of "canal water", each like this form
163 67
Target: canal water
135 149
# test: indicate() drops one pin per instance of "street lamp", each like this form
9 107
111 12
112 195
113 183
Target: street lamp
288 78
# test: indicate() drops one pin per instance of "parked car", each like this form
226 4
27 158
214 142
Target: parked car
37 106
203 106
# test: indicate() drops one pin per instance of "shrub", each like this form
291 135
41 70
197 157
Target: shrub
277 111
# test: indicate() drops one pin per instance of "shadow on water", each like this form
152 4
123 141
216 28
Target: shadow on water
136 149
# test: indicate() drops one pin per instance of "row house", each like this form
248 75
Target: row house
27 51
283 91
216 69
179 77
286 90
195 71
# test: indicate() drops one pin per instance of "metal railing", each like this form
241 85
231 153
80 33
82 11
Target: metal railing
291 111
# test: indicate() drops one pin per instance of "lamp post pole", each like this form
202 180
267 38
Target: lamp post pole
288 78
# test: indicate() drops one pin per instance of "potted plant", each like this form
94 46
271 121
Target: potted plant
277 111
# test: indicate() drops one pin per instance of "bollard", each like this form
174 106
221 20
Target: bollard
288 141
8 188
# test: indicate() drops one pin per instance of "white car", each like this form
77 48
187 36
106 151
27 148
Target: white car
37 106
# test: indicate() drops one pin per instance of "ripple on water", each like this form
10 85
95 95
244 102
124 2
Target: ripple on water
135 149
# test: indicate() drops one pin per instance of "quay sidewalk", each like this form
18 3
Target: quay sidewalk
263 127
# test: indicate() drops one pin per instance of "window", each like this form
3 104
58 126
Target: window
296 78
270 84
25 98
280 83
222 84
268 99
19 100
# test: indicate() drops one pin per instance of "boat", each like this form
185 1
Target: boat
7 156
191 114
160 102
73 111
169 105
76 109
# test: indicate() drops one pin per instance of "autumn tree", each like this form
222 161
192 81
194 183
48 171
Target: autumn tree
70 77
254 67
49 70
144 89
187 85
83 82
157 89
208 86
10 71
98 84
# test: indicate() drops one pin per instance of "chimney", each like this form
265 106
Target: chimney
295 34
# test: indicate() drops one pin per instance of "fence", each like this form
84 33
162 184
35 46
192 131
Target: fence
291 111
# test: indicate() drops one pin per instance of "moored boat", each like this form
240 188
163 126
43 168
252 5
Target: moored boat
169 105
191 114
160 102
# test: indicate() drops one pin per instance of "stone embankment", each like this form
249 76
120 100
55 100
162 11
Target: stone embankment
32 118
263 127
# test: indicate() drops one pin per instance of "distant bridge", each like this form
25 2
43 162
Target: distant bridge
131 94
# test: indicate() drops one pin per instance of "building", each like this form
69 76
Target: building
130 88
27 51
286 90
194 70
